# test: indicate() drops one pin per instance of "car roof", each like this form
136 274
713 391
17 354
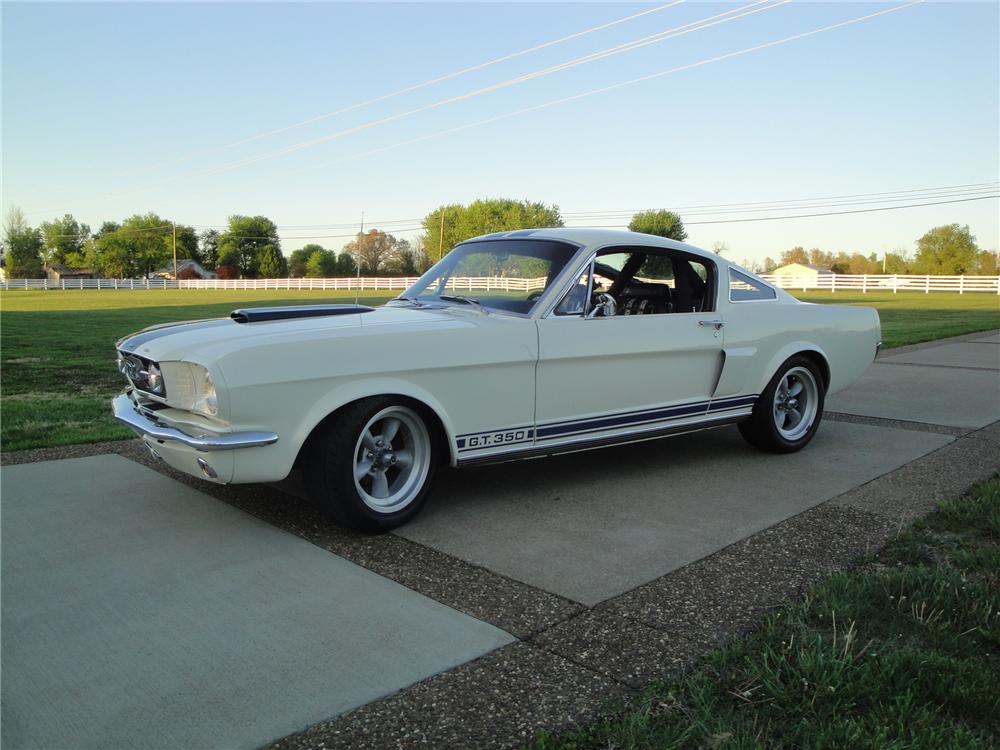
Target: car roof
592 238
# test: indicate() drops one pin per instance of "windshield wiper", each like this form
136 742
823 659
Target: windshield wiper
463 300
411 300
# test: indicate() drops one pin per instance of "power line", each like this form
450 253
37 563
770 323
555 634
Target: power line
967 186
456 74
704 23
424 84
642 79
686 223
605 89
255 237
788 207
774 205
809 216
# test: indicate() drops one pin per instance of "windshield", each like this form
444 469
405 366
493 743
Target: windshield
504 275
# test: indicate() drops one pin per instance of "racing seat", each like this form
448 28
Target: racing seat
647 299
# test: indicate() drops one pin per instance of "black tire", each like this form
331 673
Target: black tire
346 443
771 427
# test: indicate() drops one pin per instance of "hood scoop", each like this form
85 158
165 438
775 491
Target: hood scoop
260 314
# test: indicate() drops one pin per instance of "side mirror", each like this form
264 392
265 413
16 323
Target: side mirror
605 307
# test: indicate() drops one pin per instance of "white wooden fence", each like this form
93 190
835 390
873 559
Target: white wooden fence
835 282
387 283
828 282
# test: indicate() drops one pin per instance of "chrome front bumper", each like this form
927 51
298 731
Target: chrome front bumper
127 412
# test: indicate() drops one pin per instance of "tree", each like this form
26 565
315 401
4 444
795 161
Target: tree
897 262
271 263
106 228
454 232
769 265
410 261
322 264
795 255
242 244
483 217
662 223
346 265
63 237
210 249
140 246
299 259
375 250
187 244
114 256
987 263
947 250
23 247
858 264
820 258
719 247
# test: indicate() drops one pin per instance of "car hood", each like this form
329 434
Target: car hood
203 340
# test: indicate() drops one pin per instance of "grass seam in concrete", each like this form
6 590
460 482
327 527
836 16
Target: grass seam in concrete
896 424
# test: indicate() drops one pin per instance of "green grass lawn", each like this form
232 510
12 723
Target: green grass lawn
57 347
57 352
901 654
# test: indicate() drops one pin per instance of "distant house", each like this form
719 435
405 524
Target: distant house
186 269
802 272
59 272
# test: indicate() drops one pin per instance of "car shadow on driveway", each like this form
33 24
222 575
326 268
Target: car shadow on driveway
591 525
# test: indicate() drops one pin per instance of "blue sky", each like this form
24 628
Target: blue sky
114 109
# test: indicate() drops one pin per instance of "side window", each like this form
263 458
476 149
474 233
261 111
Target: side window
743 288
575 301
644 282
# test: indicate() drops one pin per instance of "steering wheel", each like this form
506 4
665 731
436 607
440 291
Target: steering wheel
533 297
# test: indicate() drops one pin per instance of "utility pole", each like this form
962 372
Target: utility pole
174 227
357 259
441 236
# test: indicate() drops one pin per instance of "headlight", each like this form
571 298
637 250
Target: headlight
209 401
190 387
154 379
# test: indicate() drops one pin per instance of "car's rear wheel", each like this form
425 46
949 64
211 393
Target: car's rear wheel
371 466
788 412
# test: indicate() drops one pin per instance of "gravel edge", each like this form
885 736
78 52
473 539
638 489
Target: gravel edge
657 629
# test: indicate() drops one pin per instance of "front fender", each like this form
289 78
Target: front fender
346 393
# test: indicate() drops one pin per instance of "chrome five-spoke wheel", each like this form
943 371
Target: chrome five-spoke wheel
795 403
788 411
391 459
371 463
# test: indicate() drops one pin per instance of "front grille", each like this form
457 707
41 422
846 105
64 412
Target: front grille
136 372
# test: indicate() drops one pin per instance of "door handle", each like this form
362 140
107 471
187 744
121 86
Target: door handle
717 323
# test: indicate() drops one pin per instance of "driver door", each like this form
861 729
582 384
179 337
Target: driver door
607 377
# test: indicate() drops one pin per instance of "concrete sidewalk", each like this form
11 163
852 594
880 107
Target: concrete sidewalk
166 618
952 382
138 612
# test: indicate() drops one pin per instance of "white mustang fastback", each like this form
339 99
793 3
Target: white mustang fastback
515 344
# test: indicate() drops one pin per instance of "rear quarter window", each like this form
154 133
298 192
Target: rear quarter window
744 288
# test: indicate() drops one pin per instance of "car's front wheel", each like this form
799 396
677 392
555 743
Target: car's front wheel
371 466
788 412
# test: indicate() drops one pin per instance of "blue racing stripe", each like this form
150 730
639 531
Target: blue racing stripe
623 419
601 423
